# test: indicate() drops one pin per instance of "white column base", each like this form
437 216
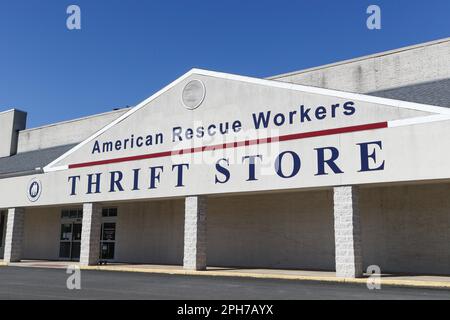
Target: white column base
90 234
195 233
347 233
14 235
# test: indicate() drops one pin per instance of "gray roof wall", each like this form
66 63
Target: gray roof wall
435 93
28 161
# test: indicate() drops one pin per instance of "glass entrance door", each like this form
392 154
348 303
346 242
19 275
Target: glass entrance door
108 234
65 245
70 238
76 241
108 241
70 241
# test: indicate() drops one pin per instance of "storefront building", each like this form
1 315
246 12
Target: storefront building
333 168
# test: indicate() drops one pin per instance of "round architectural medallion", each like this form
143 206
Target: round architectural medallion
34 190
193 94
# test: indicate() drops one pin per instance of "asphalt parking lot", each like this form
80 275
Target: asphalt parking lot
37 283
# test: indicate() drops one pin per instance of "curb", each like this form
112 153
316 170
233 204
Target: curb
387 282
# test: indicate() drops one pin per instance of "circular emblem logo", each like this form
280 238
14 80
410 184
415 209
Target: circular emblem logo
193 94
34 190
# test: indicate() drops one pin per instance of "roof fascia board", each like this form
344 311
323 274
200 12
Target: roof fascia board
75 120
21 173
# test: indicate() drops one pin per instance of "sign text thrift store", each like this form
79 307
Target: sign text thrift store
287 163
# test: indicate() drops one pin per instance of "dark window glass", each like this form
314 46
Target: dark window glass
64 250
65 214
107 250
76 232
66 232
76 249
109 212
109 232
73 214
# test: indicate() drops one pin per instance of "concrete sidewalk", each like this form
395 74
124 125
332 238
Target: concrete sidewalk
323 276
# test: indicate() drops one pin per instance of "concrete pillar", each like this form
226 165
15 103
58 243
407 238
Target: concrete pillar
347 233
195 233
11 122
90 234
14 235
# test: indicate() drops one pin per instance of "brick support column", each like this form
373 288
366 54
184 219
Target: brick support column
195 233
347 233
14 235
90 234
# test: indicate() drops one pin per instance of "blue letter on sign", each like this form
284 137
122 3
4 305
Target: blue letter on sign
296 163
155 176
95 182
220 168
330 162
116 179
180 171
73 179
251 166
365 156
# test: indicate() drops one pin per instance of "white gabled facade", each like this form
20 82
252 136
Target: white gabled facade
225 170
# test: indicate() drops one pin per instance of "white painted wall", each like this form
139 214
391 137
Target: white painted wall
150 232
66 132
289 230
404 229
147 232
407 229
41 233
292 230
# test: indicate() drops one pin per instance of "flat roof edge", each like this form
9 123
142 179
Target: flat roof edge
12 109
15 174
76 119
366 57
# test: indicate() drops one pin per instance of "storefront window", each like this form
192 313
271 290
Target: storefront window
109 232
66 232
72 214
109 212
65 214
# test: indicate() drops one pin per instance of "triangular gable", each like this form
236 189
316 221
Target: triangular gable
230 97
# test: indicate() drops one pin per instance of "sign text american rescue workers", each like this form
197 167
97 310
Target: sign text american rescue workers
285 164
260 120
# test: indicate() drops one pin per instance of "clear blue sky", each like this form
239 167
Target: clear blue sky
127 50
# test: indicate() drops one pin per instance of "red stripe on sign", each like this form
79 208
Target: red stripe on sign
287 137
